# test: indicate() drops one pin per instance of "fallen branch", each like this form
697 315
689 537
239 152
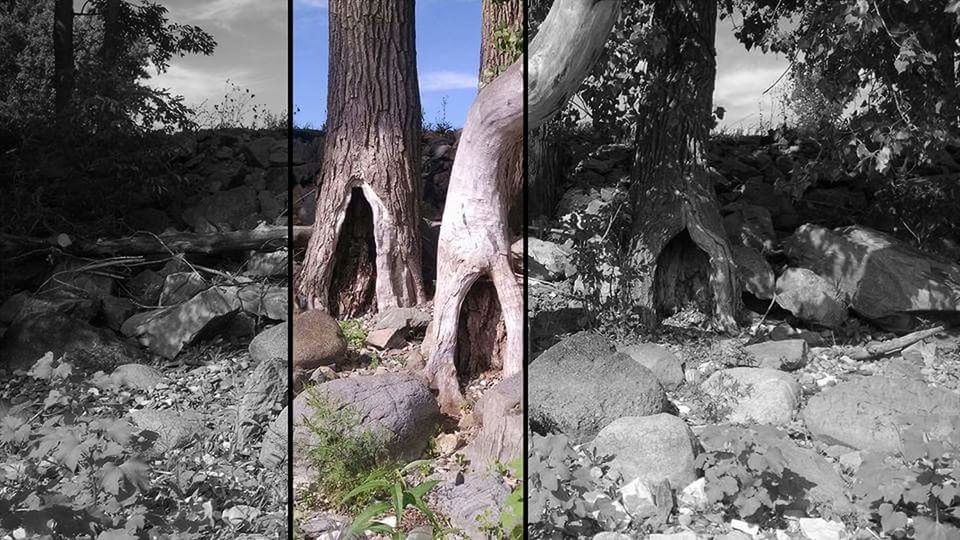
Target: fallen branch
260 239
883 348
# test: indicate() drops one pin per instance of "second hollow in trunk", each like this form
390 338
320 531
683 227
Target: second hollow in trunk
372 145
673 189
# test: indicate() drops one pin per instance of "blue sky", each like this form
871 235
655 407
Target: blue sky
448 58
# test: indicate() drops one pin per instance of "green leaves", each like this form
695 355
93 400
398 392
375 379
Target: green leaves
400 496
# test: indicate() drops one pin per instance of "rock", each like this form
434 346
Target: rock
869 413
684 535
82 344
651 448
270 344
658 359
116 311
813 480
821 529
180 286
317 340
881 275
407 318
258 150
267 264
611 536
581 384
24 305
548 261
137 376
810 297
500 438
751 226
480 495
229 210
273 450
268 301
395 405
694 496
165 331
387 338
447 443
323 526
756 275
785 355
261 390
71 279
638 499
174 429
755 395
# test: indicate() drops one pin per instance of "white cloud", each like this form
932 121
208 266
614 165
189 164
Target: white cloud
199 85
222 11
438 81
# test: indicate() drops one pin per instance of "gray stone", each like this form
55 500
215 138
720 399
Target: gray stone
480 496
116 311
137 376
881 275
387 338
581 384
548 261
750 225
756 275
84 345
274 449
24 305
270 344
180 286
658 359
71 279
755 395
652 448
145 287
261 391
273 263
174 429
407 318
396 406
786 355
869 413
810 297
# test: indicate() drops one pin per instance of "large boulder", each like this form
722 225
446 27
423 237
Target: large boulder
480 496
82 344
270 344
755 272
881 275
500 438
317 340
810 297
580 385
173 429
397 407
869 413
548 261
652 448
755 395
785 354
809 477
658 359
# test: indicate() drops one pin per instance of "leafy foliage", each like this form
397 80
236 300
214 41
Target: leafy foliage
354 333
400 496
925 490
346 454
747 478
510 525
571 492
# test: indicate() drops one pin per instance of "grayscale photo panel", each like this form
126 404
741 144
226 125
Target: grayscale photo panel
742 269
144 287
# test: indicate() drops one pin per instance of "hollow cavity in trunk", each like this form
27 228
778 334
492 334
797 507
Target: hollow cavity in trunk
354 278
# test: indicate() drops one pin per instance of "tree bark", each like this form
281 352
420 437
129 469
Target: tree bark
63 56
111 34
497 15
474 234
371 149
673 190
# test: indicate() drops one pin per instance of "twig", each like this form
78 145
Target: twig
874 350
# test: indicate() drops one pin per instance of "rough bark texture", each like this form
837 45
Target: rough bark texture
673 192
474 235
543 170
497 15
354 277
372 143
62 55
111 33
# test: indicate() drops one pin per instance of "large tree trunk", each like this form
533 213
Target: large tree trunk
543 171
496 16
62 56
674 203
474 235
371 155
111 34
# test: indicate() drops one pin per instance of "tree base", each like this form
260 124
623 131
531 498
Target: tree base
354 278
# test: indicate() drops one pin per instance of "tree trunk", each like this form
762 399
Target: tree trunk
673 190
497 15
474 236
62 56
111 34
543 171
372 154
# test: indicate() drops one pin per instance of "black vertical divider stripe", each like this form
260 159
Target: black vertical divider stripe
290 292
526 220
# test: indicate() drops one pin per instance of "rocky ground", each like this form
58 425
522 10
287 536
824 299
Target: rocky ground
827 418
363 376
140 392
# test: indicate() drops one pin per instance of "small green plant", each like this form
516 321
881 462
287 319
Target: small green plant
748 479
354 333
400 495
345 453
509 526
374 360
926 491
